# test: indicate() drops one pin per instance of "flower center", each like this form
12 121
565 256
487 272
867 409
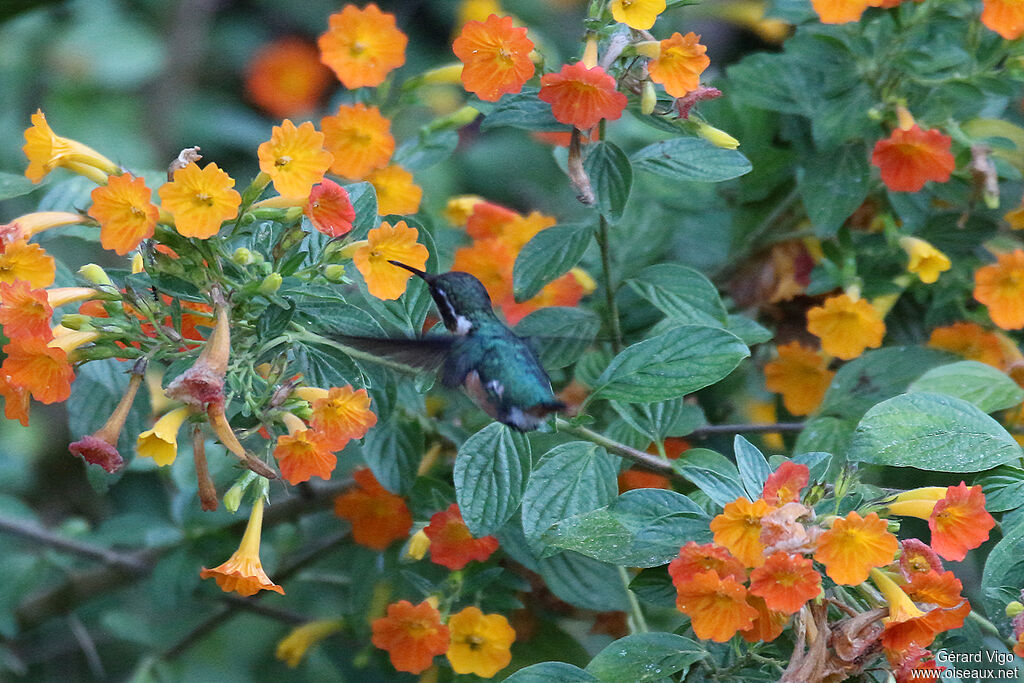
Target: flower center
475 641
282 161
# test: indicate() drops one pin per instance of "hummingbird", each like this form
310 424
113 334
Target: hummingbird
496 368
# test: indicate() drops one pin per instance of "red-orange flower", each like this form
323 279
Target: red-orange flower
451 544
717 607
854 546
342 414
23 261
680 64
785 484
632 479
487 219
286 77
378 517
24 312
694 559
330 209
738 528
1005 17
16 400
909 158
359 138
303 453
785 582
959 522
496 57
581 97
566 290
362 46
1000 286
768 625
42 370
412 635
907 624
124 211
243 572
294 157
936 588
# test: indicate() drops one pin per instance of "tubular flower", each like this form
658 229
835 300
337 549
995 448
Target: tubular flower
970 340
359 138
243 572
581 97
24 312
16 400
785 484
286 77
680 63
362 46
378 517
694 559
200 200
907 624
24 227
294 158
303 453
161 442
396 192
1005 17
909 158
839 11
46 151
855 545
203 383
42 370
100 448
846 327
768 625
330 209
717 607
1000 286
480 643
925 260
785 582
294 646
956 516
125 214
936 588
638 14
496 57
738 528
340 414
411 635
389 243
28 262
451 543
801 375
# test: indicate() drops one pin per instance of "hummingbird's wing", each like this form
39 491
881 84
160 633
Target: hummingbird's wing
422 353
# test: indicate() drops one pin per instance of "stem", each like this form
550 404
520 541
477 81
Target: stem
609 292
113 559
639 623
988 627
645 460
708 430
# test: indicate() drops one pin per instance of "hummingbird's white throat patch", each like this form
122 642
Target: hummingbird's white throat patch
462 323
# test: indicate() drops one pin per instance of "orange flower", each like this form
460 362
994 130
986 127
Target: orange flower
909 158
1005 17
839 11
339 414
907 625
243 572
694 559
396 192
480 643
451 544
768 625
16 400
956 516
389 243
42 370
563 291
638 14
45 151
490 261
362 46
785 582
359 138
801 375
917 557
125 214
28 262
855 545
496 57
286 77
378 517
632 479
24 312
717 607
458 209
970 340
1000 286
936 588
521 229
738 528
580 96
294 158
329 209
846 327
412 635
200 200
303 453
24 227
680 64
785 484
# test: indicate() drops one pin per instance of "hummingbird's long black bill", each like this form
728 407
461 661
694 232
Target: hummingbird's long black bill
427 277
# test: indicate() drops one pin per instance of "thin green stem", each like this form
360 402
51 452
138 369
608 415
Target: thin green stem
639 623
609 292
989 628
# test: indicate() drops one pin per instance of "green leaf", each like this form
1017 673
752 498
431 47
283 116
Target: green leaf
1003 487
645 657
550 253
571 478
712 473
523 110
659 420
325 366
490 476
641 528
393 451
932 432
561 333
691 159
833 183
1003 574
974 382
654 585
364 200
584 582
551 672
670 365
681 292
329 317
425 151
14 185
611 177
753 467
750 331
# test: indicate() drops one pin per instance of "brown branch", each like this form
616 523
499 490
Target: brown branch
124 562
647 461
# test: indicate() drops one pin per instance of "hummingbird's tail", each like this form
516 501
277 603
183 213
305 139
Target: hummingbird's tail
415 271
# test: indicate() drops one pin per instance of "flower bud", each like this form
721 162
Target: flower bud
448 74
270 284
243 257
1013 609
95 275
233 497
335 272
717 137
137 264
648 99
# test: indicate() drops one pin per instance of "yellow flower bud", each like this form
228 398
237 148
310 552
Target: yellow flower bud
95 275
717 137
648 48
270 284
448 74
648 99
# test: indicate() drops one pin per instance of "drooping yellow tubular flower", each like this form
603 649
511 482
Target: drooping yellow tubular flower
925 260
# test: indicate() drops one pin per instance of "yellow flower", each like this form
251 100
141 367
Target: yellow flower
417 546
23 227
396 192
384 244
458 209
480 642
801 375
243 572
846 327
679 64
161 442
476 10
294 158
638 14
200 200
293 647
925 260
29 262
125 214
1000 286
46 150
359 138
